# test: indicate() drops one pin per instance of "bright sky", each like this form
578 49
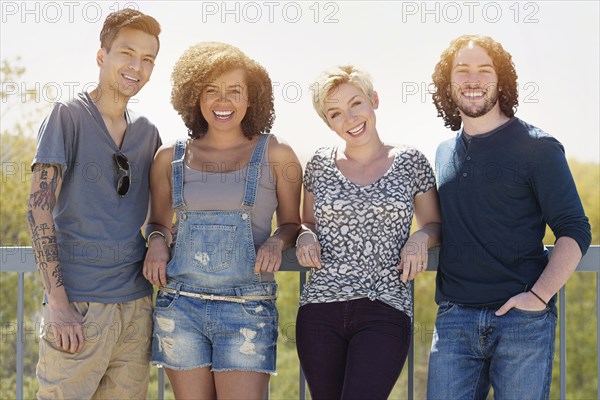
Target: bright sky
554 45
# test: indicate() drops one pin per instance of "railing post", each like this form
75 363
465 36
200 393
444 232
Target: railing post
411 349
161 382
302 384
20 325
563 341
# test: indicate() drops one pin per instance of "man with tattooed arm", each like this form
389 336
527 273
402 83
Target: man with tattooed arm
89 200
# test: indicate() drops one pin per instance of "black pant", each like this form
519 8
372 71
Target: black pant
352 349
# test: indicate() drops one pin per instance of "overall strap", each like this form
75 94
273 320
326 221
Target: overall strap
177 177
253 171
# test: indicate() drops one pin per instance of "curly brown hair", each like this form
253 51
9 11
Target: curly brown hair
508 97
204 62
127 18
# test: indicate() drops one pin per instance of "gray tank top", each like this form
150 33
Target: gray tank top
225 191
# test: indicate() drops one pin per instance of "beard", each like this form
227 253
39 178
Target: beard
471 108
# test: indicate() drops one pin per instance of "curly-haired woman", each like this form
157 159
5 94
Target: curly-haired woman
215 319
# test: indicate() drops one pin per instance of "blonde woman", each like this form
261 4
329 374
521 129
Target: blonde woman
353 326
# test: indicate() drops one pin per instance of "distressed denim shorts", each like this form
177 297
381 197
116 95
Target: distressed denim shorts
193 333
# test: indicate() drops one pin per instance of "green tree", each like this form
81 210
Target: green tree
17 150
17 147
582 382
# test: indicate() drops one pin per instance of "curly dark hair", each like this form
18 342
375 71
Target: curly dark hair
508 96
127 18
204 62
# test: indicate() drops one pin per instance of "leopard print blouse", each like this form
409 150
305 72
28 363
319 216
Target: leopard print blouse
362 229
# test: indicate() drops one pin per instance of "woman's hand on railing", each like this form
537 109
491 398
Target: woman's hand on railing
308 250
155 263
269 255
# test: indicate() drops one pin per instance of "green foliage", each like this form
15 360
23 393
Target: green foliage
31 328
581 324
17 147
286 384
15 157
17 150
587 179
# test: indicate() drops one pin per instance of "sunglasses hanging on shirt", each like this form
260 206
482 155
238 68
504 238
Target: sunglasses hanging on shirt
124 180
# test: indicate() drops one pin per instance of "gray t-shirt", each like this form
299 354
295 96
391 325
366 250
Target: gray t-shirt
101 249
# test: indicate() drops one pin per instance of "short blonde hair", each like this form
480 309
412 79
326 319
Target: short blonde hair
334 77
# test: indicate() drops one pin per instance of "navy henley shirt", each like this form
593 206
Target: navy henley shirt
497 193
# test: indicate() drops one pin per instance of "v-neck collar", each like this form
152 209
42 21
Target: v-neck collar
100 121
339 173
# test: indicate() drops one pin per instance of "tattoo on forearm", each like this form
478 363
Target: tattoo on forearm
43 267
50 248
43 235
30 220
57 273
34 235
45 197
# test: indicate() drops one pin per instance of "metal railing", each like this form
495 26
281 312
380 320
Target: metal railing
21 261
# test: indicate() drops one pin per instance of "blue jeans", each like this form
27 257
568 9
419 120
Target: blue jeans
473 350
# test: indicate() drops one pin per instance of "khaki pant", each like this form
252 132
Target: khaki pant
114 363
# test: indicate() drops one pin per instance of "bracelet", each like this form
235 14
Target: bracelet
306 233
539 298
152 234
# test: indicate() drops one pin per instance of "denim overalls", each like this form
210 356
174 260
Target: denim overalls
214 310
